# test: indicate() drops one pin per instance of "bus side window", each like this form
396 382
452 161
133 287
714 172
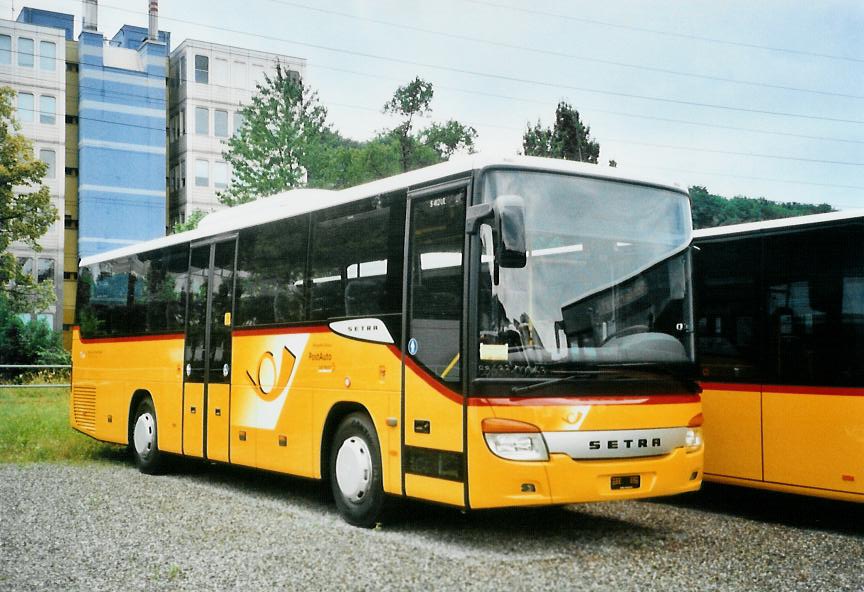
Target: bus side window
354 267
270 269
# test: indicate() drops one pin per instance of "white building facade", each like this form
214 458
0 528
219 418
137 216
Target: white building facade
32 63
208 85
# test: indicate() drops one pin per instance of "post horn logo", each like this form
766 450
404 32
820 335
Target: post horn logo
266 379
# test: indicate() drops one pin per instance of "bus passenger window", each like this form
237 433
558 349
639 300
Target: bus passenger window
270 269
354 270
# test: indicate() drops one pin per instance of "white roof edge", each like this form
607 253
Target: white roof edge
286 204
767 225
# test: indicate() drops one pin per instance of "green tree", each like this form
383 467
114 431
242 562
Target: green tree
408 102
710 210
25 215
26 343
282 143
569 138
191 222
429 146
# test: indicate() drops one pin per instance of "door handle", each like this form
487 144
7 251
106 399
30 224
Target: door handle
192 410
218 412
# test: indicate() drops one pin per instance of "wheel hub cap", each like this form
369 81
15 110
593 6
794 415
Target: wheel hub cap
144 435
354 469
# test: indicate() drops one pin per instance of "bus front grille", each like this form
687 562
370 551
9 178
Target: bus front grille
84 407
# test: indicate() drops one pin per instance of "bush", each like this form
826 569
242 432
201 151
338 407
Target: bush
32 342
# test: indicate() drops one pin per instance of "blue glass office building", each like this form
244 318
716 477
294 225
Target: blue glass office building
122 110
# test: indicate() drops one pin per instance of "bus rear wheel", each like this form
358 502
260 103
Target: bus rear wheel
144 439
355 471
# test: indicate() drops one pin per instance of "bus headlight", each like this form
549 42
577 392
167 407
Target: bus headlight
693 439
514 440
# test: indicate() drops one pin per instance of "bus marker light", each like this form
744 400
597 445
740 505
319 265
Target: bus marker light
848 477
693 475
504 426
696 421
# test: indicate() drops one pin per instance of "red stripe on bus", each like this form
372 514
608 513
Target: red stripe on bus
576 400
164 336
281 330
836 391
426 377
736 386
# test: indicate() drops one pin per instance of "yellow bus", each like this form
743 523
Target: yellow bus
780 336
480 333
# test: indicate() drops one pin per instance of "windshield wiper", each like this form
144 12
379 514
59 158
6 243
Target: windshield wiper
580 374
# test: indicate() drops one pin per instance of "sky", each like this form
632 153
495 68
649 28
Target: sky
764 99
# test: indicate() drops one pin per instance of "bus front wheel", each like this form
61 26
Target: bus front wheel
355 471
144 441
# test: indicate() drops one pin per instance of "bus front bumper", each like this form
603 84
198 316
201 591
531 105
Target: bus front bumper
563 480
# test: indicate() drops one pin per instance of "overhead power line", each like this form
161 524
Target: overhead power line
562 54
677 34
502 77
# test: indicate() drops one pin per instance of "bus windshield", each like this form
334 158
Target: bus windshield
606 280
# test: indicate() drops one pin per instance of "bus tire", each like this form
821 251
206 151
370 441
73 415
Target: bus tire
355 471
144 439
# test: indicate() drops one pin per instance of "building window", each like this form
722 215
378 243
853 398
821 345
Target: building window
72 119
26 265
182 174
47 55
71 172
202 69
47 110
220 175
71 67
239 120
172 179
49 157
25 107
69 275
45 270
5 50
25 52
202 173
220 123
202 121
182 131
182 70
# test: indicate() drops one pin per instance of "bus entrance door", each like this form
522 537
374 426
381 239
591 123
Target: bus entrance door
207 357
433 460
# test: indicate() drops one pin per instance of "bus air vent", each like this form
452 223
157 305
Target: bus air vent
84 407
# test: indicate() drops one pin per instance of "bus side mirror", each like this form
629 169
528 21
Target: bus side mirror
510 251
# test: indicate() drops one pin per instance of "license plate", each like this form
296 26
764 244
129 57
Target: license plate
625 482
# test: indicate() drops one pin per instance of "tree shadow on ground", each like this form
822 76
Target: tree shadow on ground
773 507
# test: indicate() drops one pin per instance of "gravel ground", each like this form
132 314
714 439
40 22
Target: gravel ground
104 526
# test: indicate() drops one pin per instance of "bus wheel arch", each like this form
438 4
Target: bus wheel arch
335 416
143 434
354 467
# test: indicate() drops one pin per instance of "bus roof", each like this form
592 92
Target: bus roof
779 224
302 201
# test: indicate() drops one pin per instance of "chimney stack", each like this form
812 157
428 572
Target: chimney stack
90 16
154 20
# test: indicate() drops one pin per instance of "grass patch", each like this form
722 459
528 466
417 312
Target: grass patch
34 427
